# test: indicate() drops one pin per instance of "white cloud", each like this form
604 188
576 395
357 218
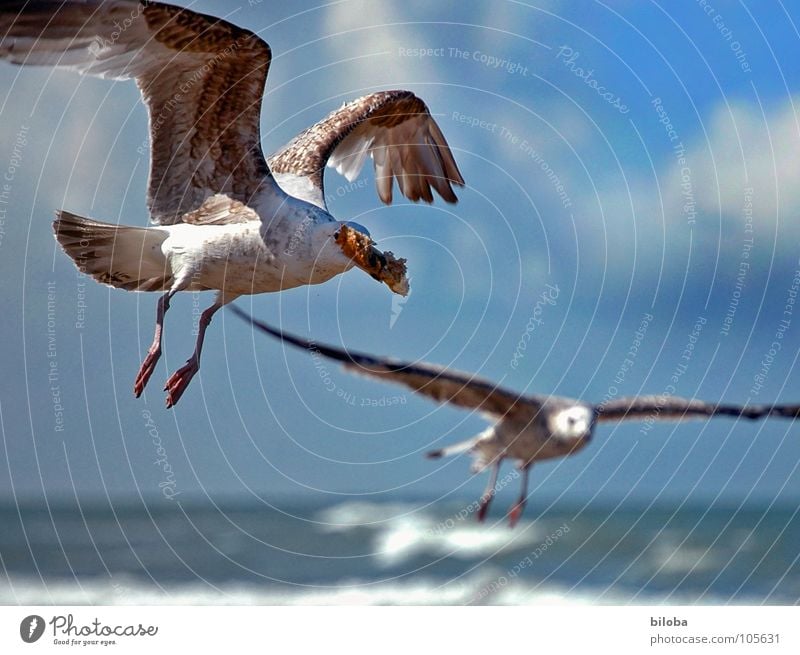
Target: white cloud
746 149
377 29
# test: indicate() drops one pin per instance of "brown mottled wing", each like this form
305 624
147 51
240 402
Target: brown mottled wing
219 209
201 78
671 408
395 128
440 384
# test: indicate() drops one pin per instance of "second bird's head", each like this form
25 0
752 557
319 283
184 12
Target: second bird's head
573 424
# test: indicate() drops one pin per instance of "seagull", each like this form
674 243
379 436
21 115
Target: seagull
527 428
224 217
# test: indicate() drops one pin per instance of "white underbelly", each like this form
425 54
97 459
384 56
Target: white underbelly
239 261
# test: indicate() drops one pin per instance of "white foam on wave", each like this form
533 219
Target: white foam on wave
406 538
402 531
353 592
363 514
672 558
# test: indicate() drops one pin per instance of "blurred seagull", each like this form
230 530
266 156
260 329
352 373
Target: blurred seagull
527 428
226 219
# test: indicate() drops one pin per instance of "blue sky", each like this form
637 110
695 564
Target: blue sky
640 158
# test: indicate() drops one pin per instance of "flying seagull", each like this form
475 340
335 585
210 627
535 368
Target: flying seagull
527 428
225 218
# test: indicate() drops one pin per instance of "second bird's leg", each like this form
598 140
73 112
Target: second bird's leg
517 508
488 494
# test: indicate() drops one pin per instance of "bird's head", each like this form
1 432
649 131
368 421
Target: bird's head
349 244
357 227
574 423
325 241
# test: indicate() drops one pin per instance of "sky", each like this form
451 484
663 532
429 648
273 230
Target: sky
630 225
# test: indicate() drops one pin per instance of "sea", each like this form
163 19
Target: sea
413 552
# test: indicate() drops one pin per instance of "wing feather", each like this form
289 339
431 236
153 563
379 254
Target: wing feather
219 209
439 384
201 78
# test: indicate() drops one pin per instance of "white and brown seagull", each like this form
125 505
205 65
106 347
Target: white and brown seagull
527 428
225 218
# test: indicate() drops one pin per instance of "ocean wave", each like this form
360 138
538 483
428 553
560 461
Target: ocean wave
414 553
478 589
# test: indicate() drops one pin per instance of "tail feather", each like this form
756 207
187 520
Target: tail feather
483 447
455 449
118 255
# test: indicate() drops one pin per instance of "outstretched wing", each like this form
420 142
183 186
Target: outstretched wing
440 384
201 78
395 128
671 408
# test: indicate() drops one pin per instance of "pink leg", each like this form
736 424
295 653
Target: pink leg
149 363
517 508
488 494
177 384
